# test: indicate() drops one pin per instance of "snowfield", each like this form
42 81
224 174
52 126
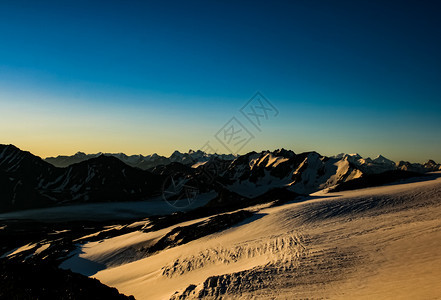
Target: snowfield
108 210
381 242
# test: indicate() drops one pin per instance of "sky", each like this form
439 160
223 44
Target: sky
144 77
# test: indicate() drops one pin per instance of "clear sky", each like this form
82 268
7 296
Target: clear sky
144 76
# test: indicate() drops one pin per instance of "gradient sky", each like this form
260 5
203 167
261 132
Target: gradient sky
144 77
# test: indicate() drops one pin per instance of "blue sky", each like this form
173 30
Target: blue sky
143 77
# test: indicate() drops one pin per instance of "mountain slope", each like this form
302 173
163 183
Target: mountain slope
104 178
26 181
256 173
21 177
381 242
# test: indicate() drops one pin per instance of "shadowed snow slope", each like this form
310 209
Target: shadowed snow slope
380 242
107 211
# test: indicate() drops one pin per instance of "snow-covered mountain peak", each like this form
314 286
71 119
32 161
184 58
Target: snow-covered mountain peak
350 156
381 160
80 154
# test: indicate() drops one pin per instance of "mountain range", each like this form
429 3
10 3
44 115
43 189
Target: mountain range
27 181
140 161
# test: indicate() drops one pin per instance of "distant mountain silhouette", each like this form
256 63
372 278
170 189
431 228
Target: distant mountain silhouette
140 161
27 181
